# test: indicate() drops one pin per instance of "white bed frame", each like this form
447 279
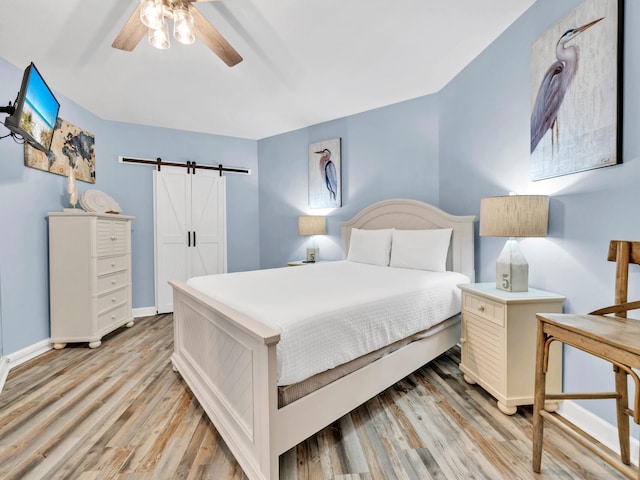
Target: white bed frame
229 360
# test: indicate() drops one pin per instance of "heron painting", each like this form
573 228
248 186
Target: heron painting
575 85
325 189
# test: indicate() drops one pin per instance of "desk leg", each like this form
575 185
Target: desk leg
538 398
622 403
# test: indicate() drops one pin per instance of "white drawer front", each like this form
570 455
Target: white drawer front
111 237
112 264
111 282
483 308
110 300
116 316
118 236
483 350
104 243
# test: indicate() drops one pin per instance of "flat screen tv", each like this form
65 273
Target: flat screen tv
36 111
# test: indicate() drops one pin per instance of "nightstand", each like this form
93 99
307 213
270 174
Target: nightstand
498 342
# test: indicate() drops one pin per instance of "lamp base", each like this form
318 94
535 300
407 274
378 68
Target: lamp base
512 269
313 255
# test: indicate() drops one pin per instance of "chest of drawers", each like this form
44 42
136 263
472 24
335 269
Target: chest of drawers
89 276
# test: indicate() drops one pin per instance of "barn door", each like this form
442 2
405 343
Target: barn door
190 228
208 254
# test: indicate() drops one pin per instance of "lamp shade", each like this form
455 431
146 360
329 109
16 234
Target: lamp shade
514 216
312 225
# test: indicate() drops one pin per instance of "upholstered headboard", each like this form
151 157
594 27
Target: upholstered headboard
404 214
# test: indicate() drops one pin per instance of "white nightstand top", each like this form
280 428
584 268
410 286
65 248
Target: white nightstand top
489 290
298 263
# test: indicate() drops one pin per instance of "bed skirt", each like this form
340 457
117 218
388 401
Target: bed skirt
290 393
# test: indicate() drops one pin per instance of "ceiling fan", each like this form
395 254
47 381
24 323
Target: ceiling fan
150 17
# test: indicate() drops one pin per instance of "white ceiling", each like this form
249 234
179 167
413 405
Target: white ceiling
305 62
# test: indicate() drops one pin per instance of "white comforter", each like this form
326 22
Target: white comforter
331 313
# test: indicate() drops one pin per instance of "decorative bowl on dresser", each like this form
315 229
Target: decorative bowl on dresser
89 276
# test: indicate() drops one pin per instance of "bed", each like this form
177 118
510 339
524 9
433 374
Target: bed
229 360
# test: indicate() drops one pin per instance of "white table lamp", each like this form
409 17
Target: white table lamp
513 216
309 225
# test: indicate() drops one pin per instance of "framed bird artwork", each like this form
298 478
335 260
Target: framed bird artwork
325 174
576 91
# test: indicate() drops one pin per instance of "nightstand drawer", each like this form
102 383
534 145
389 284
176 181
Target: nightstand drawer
483 308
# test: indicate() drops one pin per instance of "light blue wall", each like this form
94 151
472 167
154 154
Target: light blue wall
26 195
389 152
484 151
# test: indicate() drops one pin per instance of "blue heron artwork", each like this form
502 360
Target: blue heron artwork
325 190
575 75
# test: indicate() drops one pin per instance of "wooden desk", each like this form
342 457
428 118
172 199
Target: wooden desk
614 339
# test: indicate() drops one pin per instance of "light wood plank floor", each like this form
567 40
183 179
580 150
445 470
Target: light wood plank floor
120 412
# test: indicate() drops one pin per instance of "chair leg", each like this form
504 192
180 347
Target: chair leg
538 399
622 403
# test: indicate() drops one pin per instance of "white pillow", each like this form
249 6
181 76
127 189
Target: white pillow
370 246
421 249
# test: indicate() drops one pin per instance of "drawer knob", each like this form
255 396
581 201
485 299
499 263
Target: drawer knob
113 300
113 264
113 282
113 317
481 308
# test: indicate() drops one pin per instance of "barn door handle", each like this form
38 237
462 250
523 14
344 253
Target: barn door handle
194 239
188 239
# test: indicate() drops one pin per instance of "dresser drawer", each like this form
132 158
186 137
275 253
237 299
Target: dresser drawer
112 264
117 316
108 283
110 300
483 308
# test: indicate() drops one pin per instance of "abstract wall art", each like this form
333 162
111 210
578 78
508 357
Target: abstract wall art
71 146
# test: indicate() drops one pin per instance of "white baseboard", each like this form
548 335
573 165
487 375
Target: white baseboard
144 312
4 371
16 358
595 426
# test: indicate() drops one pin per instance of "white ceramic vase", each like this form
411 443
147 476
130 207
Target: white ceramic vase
72 189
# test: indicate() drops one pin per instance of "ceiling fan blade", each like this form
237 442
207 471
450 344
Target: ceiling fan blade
213 39
131 33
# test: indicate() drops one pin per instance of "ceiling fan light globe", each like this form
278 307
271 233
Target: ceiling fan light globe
159 37
151 13
183 29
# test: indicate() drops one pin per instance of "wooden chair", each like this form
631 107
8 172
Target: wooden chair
615 339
